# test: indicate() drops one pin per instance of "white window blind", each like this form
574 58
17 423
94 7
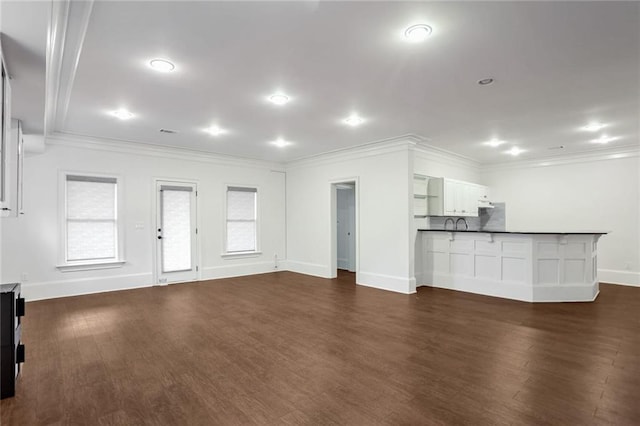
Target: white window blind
176 228
91 218
241 219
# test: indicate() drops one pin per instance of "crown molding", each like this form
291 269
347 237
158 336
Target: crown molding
77 141
430 152
67 30
627 151
380 147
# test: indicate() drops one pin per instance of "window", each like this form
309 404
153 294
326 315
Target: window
91 219
241 224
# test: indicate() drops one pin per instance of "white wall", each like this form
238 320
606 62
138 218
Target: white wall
30 243
383 215
595 194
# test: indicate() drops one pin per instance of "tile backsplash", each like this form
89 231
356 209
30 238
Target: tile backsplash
489 219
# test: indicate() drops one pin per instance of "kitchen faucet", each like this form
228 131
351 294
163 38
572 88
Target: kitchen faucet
466 225
446 221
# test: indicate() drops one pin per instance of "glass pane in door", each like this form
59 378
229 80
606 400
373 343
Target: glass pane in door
176 230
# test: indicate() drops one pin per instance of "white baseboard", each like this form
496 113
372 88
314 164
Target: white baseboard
313 269
81 286
613 276
387 282
239 270
76 287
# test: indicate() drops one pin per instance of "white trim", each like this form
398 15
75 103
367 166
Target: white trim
306 268
614 153
55 53
386 146
241 255
63 263
387 282
237 270
92 143
79 14
76 287
333 206
429 152
258 219
67 30
612 276
196 244
90 266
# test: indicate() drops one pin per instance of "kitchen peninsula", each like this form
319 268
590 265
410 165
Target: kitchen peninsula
526 266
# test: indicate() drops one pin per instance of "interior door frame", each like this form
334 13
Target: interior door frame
350 226
155 202
333 217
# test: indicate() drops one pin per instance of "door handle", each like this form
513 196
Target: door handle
159 237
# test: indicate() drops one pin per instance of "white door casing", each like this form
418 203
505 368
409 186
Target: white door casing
176 232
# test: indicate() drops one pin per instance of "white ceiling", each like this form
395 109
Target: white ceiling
556 65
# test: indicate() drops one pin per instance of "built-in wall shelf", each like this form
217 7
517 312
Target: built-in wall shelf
420 195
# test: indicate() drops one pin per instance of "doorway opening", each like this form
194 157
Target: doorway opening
344 232
176 232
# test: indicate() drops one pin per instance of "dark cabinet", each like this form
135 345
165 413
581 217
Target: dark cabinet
12 353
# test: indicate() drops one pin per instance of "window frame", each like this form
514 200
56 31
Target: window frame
66 265
240 254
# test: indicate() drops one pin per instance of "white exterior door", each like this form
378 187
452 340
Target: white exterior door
176 232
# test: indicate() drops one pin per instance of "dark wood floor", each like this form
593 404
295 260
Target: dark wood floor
285 348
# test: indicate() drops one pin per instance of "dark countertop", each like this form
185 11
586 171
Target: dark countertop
488 231
6 288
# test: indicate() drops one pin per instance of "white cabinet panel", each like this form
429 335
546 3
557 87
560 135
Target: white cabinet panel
548 271
420 206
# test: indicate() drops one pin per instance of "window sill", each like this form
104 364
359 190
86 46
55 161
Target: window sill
73 267
241 255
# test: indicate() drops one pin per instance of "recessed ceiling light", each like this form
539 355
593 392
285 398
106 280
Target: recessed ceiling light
353 120
417 33
280 143
494 142
515 151
603 139
122 114
485 81
593 127
162 65
279 99
215 131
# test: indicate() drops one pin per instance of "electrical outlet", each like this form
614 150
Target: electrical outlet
24 277
162 281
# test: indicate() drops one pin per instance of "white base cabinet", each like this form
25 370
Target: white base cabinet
527 267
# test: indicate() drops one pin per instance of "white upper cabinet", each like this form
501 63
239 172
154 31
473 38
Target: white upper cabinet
450 197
